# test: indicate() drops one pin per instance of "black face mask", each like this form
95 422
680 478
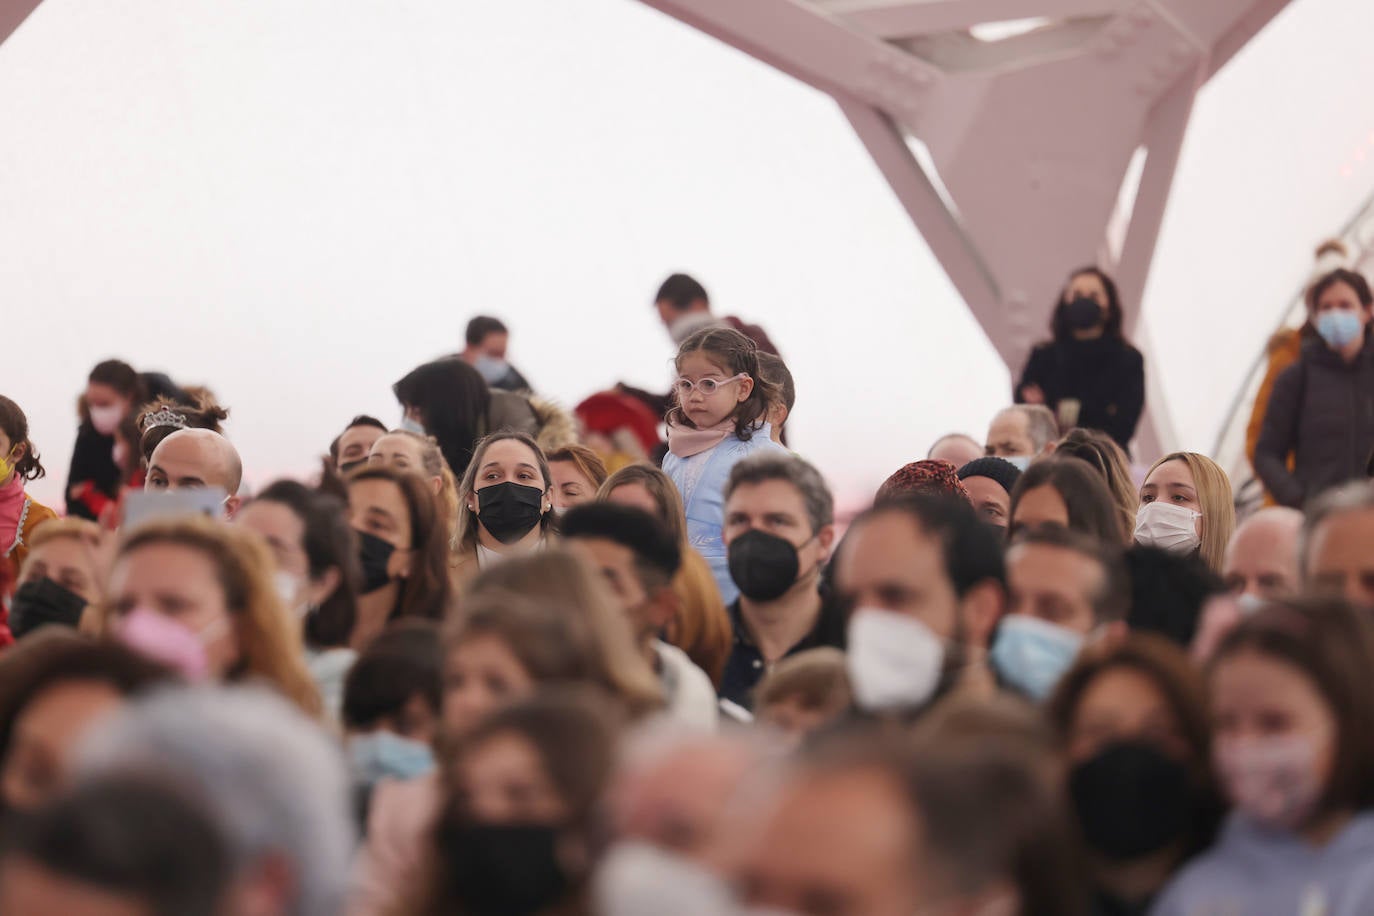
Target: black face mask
375 554
1083 314
1131 800
509 511
764 566
503 870
43 601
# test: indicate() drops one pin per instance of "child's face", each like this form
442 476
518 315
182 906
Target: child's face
709 410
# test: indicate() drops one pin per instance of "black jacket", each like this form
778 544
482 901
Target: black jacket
1106 376
93 463
1322 412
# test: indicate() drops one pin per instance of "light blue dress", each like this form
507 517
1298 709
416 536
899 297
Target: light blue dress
1256 872
701 480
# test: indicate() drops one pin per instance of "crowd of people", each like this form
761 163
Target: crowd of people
505 659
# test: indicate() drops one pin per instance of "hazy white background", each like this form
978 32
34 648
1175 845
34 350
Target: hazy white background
296 202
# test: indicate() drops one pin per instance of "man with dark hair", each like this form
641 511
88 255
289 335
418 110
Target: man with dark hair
943 823
1064 589
684 308
779 529
1069 580
1168 592
350 448
926 583
120 844
639 558
989 482
486 340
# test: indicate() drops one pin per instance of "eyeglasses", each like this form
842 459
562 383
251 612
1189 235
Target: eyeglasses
707 386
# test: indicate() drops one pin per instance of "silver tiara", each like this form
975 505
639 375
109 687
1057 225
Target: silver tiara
164 417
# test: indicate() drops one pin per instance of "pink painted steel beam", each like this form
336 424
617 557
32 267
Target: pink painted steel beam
1029 139
12 15
894 19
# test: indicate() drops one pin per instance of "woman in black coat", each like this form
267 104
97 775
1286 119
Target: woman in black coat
1321 411
1088 374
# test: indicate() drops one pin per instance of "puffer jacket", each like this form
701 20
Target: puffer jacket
550 425
1322 412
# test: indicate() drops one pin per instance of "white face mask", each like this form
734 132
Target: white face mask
106 419
894 659
1170 528
1020 462
684 327
637 878
412 426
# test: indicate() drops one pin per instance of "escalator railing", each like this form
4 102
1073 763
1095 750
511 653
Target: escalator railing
1229 451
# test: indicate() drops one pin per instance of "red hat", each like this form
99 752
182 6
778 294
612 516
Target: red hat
607 411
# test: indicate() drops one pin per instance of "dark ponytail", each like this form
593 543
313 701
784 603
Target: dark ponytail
16 428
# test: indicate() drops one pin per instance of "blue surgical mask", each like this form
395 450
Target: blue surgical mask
491 368
1021 462
412 426
385 754
1339 327
1032 655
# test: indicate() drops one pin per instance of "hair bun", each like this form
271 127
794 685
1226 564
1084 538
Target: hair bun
1330 247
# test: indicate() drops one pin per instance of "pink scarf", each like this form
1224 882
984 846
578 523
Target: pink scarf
11 513
686 441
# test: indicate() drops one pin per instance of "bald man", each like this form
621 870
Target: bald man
192 458
1262 558
956 448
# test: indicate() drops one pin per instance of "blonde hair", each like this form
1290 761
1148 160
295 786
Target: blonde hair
701 627
1218 505
434 464
587 462
1101 451
816 679
85 533
77 529
579 610
268 633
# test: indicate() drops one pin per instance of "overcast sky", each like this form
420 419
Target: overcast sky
297 202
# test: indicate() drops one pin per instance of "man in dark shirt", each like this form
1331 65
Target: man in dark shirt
684 308
487 339
779 530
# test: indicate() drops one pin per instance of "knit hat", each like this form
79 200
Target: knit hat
1000 470
926 476
607 411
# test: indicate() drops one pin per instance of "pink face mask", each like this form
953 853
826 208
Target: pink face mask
164 640
1272 779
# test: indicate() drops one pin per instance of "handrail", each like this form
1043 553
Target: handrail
1229 451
